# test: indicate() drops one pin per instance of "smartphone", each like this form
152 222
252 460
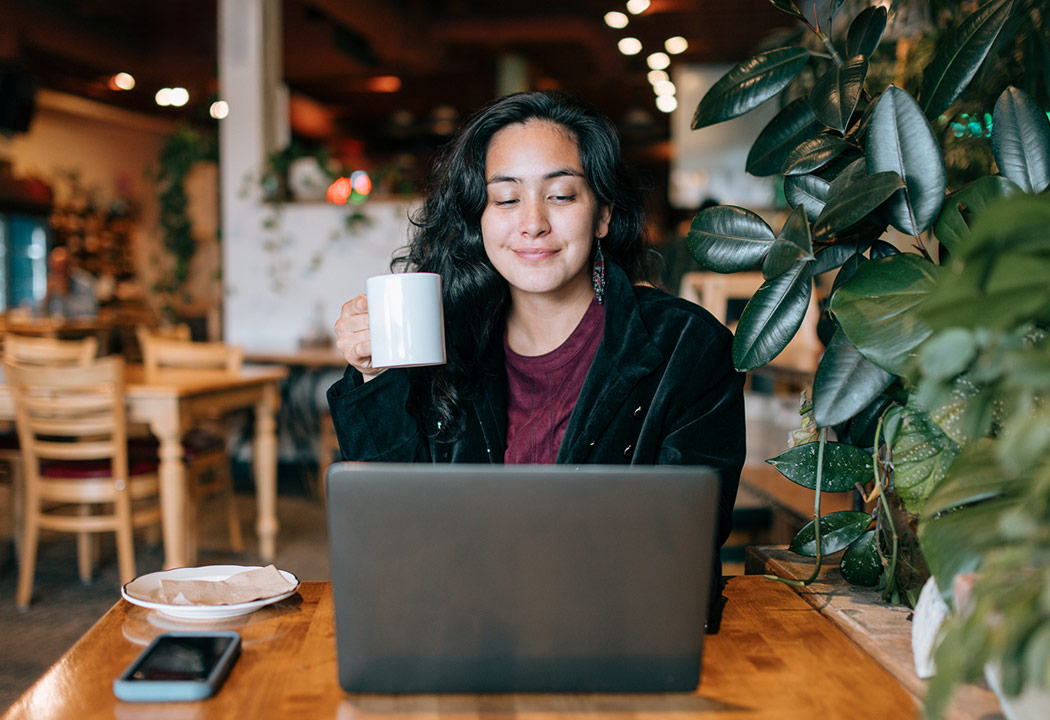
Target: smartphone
179 666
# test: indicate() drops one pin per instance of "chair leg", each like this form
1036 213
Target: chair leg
125 537
30 538
193 525
85 548
18 504
232 516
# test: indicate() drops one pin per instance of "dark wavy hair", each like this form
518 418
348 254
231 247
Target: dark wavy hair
446 237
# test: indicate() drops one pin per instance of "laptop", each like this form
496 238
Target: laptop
520 579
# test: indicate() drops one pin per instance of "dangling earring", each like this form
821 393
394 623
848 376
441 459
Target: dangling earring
598 273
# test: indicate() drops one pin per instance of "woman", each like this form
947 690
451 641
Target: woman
558 350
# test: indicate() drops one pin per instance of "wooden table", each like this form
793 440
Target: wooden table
774 657
881 629
170 406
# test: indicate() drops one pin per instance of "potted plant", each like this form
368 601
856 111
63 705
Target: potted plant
862 143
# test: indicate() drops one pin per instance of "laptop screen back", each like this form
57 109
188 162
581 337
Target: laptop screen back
477 578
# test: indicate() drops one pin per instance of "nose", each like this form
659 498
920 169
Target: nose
534 221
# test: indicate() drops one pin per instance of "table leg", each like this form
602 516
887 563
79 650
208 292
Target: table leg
266 471
172 475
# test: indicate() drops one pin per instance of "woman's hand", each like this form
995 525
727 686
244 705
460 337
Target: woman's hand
352 336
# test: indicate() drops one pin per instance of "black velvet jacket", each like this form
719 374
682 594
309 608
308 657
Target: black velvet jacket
661 390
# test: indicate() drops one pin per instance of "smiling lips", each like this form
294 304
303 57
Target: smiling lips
535 253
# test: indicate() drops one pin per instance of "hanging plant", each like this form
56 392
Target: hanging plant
182 150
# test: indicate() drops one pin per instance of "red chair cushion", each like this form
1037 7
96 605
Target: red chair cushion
86 469
194 444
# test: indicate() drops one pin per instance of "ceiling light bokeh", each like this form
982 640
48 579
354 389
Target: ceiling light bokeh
630 46
666 103
637 7
616 20
676 45
658 61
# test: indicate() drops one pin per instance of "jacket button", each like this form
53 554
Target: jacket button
638 411
627 450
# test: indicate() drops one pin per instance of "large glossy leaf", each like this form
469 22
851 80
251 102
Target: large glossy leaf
832 257
1021 140
959 55
807 191
844 466
793 244
865 31
749 84
861 564
772 317
836 92
850 174
856 201
813 154
900 140
837 530
795 123
951 226
877 308
921 455
845 382
728 239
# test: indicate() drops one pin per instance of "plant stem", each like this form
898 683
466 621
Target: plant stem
816 518
892 569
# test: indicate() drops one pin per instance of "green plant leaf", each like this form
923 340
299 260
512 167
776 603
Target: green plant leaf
728 239
861 564
876 308
831 257
1021 140
813 154
844 466
787 6
806 191
749 84
975 478
951 226
836 92
865 31
856 201
921 454
852 173
789 127
837 530
947 353
772 317
861 428
959 55
954 542
793 244
845 382
900 140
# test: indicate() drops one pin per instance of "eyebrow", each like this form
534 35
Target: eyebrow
563 172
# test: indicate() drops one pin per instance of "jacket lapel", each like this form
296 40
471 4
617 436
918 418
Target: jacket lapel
625 356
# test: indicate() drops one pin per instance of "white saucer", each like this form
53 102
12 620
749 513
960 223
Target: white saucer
145 586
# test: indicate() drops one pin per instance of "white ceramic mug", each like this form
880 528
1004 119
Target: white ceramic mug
406 320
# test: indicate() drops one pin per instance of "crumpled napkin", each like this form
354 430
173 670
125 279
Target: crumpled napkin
257 584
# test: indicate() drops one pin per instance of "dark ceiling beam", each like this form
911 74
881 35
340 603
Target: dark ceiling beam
396 38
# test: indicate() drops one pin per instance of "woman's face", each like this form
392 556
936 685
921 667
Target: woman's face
540 217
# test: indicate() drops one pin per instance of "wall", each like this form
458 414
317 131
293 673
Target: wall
287 275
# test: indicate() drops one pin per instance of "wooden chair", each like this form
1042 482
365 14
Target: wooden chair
72 430
206 453
35 351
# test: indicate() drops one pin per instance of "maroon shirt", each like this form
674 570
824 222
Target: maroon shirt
542 391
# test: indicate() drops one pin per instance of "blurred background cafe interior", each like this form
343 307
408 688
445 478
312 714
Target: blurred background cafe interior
229 172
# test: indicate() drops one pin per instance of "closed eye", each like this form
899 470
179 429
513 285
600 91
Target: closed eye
564 198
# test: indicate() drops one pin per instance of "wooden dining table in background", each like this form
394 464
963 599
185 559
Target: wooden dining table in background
169 406
774 656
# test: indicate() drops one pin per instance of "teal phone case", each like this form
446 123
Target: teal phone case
127 688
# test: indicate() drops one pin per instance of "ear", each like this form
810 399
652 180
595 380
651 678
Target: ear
601 227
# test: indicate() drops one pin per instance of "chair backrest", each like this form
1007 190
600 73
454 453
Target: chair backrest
714 291
70 413
26 350
160 354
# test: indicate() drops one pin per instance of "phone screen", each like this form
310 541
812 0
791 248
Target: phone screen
181 658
